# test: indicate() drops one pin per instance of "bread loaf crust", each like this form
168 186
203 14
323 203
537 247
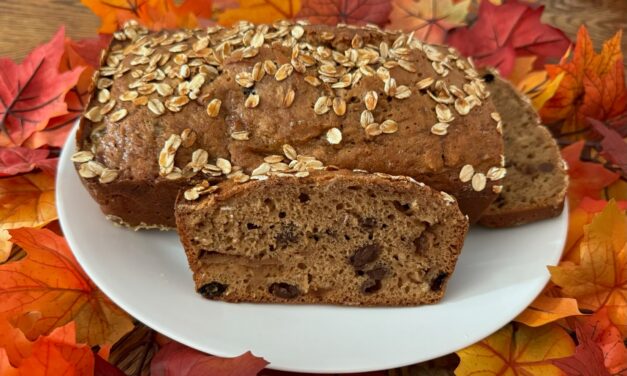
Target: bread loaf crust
127 140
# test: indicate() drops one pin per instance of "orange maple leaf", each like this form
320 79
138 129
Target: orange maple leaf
517 350
545 309
25 201
593 85
578 218
14 342
599 279
430 20
55 354
50 281
260 11
587 179
154 14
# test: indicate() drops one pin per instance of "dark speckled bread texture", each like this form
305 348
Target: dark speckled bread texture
232 96
335 237
536 181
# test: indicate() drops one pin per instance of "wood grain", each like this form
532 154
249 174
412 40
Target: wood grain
27 23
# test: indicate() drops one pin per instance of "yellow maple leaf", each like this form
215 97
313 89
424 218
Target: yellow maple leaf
25 201
517 350
545 309
260 11
600 278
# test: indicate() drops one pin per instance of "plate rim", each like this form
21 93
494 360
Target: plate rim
65 164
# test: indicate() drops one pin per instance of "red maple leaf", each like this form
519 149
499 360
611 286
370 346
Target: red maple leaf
33 92
175 359
614 148
587 179
81 54
503 32
600 351
358 12
17 160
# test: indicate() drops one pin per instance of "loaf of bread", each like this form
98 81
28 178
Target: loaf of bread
536 181
337 237
173 108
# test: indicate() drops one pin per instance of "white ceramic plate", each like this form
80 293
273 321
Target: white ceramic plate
498 274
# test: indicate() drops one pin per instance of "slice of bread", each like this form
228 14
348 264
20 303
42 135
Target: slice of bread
536 181
334 237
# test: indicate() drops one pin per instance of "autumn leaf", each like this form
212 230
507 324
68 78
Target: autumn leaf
55 354
14 342
175 359
600 349
25 201
260 11
56 131
578 218
613 146
32 92
154 14
516 350
502 33
50 281
587 179
599 279
332 12
89 49
545 309
539 88
17 160
430 20
104 368
593 86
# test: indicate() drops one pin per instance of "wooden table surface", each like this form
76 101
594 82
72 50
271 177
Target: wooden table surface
26 23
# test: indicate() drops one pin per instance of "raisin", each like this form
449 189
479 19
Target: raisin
365 255
212 290
368 223
546 167
287 235
370 285
489 77
284 290
436 284
377 273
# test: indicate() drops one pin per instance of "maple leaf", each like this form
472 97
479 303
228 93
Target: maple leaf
578 218
600 278
539 87
154 14
516 350
17 160
176 359
357 12
545 309
613 146
56 131
50 281
14 342
593 86
55 354
430 20
260 11
587 179
25 201
600 349
33 91
89 49
501 33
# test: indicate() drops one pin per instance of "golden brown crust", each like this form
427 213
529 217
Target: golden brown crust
130 146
